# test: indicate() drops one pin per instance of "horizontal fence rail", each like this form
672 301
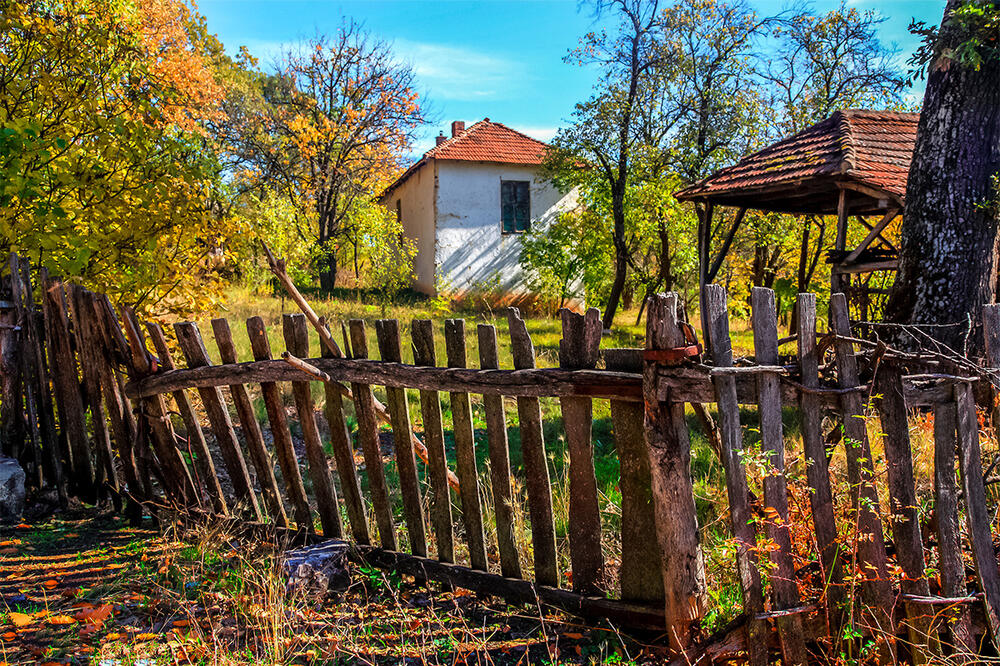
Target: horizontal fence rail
105 407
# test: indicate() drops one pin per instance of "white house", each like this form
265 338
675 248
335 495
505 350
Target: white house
467 202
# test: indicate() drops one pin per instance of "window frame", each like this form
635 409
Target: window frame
515 230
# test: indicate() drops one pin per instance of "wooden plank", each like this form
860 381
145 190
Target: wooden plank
387 333
991 335
422 332
875 232
578 349
465 449
500 472
12 430
950 564
741 518
89 358
784 587
204 465
515 590
343 454
669 449
534 382
977 511
817 465
876 586
536 467
154 412
66 385
640 574
252 434
903 506
297 342
119 409
364 407
295 490
222 426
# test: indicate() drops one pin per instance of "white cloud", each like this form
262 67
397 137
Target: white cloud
540 133
458 73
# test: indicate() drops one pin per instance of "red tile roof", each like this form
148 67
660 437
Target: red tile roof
800 173
484 141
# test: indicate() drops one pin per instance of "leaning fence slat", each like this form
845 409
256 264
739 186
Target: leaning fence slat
817 466
903 505
876 588
66 383
387 333
343 454
950 564
154 412
89 358
640 574
295 491
536 467
465 448
784 587
252 434
203 463
731 435
669 449
297 342
364 407
578 348
119 410
422 332
222 426
977 513
500 474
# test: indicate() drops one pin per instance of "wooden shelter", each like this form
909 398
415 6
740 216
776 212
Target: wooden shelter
854 165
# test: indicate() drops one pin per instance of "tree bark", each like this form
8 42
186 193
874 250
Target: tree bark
327 270
948 252
621 259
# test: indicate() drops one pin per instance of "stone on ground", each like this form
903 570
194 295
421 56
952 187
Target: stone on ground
11 490
318 569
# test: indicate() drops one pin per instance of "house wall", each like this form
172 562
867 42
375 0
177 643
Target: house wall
471 251
416 197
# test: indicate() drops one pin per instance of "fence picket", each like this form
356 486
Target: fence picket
578 349
364 407
876 588
536 467
422 333
817 466
669 449
343 453
297 342
784 587
204 465
196 356
252 434
950 564
903 506
731 440
288 462
66 385
640 574
465 448
977 514
500 474
387 333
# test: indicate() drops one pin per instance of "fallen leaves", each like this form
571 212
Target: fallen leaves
51 584
61 620
19 619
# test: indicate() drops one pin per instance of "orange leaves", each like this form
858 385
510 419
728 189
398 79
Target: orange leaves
51 584
95 615
60 620
19 619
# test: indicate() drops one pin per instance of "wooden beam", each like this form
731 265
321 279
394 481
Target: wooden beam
726 243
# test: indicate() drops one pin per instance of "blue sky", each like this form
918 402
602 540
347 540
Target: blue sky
497 59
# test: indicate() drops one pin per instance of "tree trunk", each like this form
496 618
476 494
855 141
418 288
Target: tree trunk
621 260
948 248
328 270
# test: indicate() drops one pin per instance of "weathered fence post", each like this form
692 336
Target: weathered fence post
784 587
422 332
578 349
713 299
669 448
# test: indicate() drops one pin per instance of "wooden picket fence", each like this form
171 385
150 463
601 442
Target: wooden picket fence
93 402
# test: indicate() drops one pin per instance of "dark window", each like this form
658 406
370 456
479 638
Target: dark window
515 206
